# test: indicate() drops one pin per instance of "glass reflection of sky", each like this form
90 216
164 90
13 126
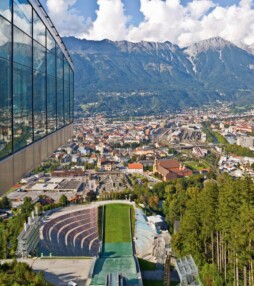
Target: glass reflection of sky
5 39
23 16
39 30
5 9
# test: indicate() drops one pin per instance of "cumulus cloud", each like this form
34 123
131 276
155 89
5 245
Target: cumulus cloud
68 20
110 23
199 20
164 20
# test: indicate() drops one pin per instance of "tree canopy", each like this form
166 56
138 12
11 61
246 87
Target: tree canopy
216 227
20 274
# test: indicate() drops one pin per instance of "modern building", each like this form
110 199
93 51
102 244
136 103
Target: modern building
36 89
187 271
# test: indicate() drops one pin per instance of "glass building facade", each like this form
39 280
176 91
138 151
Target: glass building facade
36 77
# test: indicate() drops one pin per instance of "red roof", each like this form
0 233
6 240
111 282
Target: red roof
135 166
169 164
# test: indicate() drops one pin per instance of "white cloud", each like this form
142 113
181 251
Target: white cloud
67 19
110 23
199 20
166 20
199 8
170 21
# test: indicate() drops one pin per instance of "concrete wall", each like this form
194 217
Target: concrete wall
13 168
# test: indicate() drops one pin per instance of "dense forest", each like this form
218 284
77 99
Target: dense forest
216 227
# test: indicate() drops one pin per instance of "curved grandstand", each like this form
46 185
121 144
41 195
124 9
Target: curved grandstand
72 234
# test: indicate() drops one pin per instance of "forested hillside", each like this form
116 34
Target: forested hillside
216 227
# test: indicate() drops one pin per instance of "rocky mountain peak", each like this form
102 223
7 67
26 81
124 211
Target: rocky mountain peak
216 43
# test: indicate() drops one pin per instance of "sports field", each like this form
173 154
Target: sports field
117 223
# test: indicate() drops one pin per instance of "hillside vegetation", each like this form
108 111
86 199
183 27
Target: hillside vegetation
20 274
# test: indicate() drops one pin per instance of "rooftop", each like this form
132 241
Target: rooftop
135 166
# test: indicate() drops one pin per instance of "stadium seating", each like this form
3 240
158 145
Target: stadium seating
72 234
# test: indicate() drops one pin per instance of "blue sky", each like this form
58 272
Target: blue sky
181 22
88 8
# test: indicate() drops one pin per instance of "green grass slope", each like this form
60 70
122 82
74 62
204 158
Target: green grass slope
117 223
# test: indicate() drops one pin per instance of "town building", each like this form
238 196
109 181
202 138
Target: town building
246 141
135 168
170 169
37 89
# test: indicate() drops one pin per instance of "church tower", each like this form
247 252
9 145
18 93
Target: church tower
155 165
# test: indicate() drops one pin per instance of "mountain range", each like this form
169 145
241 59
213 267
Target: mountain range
149 78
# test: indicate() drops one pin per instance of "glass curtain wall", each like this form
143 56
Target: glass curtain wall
60 88
36 96
5 81
39 79
51 83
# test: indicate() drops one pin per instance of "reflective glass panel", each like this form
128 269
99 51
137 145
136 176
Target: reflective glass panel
22 48
51 64
59 51
5 89
23 15
39 105
71 95
51 92
51 44
5 108
51 103
60 99
39 57
66 92
67 102
22 106
5 39
39 30
5 9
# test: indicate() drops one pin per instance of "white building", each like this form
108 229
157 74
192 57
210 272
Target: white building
135 168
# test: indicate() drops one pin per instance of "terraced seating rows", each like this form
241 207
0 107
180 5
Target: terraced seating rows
72 234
